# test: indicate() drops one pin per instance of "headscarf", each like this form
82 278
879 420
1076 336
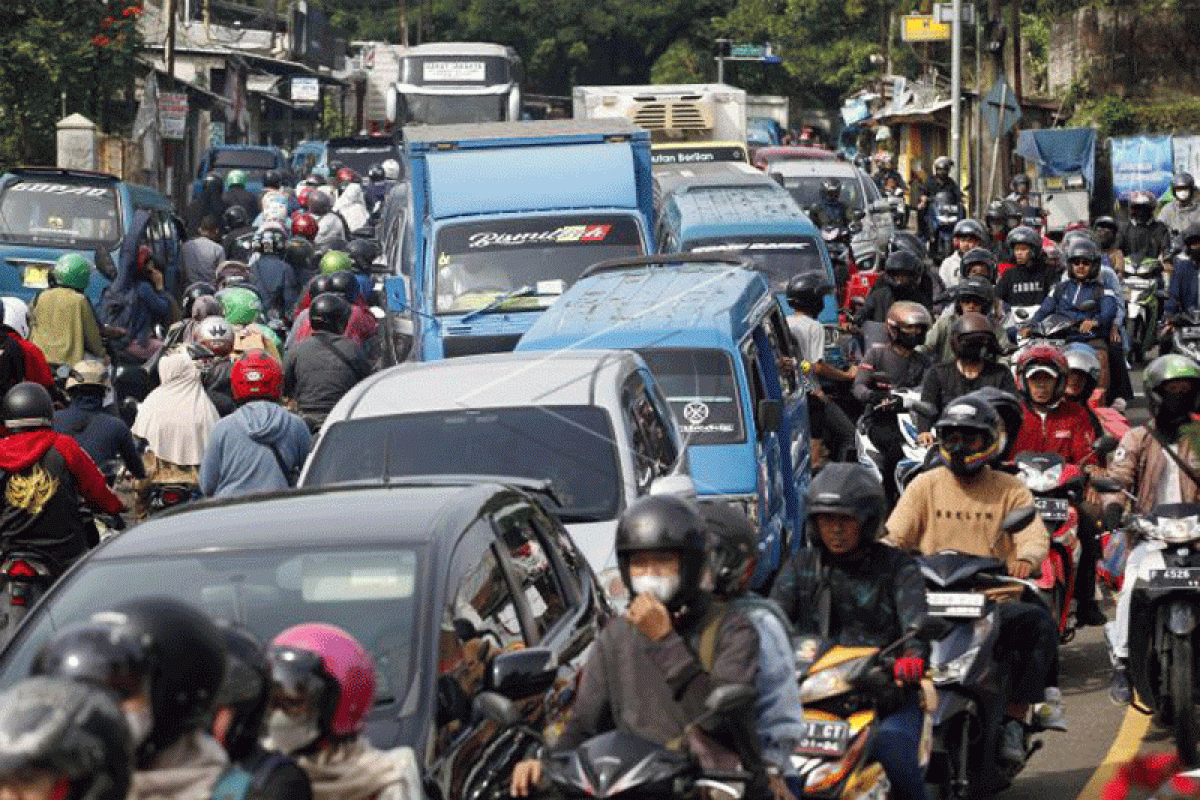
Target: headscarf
175 419
16 315
353 206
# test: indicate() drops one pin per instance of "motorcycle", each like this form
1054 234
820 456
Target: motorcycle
161 497
26 574
905 404
899 204
944 213
841 257
1142 281
1185 334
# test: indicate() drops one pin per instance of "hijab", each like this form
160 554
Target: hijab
176 418
16 315
353 206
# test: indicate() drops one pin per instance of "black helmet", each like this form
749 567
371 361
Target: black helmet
272 179
1105 222
972 337
994 215
376 173
975 288
1012 416
320 285
71 731
161 641
319 204
970 227
970 415
663 522
27 406
329 312
732 546
298 253
1191 233
903 262
268 241
1020 182
831 188
942 165
847 488
235 217
1023 234
976 256
806 291
1142 204
212 183
908 242
1082 248
1013 212
344 284
363 253
1182 181
193 293
246 689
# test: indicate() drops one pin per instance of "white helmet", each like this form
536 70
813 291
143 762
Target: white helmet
216 334
16 315
391 169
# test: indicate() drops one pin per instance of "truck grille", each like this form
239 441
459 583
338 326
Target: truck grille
673 115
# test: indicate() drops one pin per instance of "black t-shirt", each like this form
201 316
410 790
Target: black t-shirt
1026 285
946 383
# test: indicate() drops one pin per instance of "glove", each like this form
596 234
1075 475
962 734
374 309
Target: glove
909 669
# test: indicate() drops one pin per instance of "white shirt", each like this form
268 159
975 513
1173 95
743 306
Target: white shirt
948 272
810 336
1168 485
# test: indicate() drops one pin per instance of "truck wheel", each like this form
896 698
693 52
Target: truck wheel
1184 725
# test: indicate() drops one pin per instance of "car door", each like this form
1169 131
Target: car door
649 438
879 210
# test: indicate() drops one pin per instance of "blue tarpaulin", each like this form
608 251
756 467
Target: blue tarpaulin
1060 151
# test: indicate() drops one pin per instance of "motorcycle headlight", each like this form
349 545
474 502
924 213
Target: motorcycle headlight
955 670
1177 531
1039 481
829 682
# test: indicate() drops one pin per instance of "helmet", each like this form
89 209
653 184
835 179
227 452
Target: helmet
319 285
158 644
241 305
1042 357
972 337
298 252
976 288
318 203
375 173
908 242
329 312
1169 410
391 169
16 315
213 182
73 731
363 253
315 179
205 307
976 256
1142 204
344 284
1023 234
272 179
235 217
1020 183
26 406
326 667
942 165
235 177
1086 250
732 546
1183 182
902 262
216 334
970 227
994 215
193 292
1081 357
847 488
73 271
256 376
1105 222
346 175
662 522
302 195
246 689
1013 212
807 290
1191 233
968 414
904 314
305 224
88 374
336 261
269 240
831 188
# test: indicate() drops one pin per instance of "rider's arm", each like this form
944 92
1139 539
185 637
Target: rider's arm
1123 464
1183 278
906 525
931 392
131 456
908 589
864 383
1031 543
209 476
1046 309
1108 310
591 712
88 480
92 341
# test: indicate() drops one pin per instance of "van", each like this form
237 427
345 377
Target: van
718 345
46 212
253 160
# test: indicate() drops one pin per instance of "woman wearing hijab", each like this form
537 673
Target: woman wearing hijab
352 205
175 420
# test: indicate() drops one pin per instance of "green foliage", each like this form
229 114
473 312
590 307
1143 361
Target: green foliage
1115 116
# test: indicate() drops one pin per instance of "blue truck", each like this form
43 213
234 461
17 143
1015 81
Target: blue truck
502 219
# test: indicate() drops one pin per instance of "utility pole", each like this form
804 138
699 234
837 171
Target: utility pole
404 22
956 85
169 46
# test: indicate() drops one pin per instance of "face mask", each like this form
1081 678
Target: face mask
1183 195
664 588
140 724
972 351
287 734
910 340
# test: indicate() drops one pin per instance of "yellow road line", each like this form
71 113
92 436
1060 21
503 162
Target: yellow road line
1124 747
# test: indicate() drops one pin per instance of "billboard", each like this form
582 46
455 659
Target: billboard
1141 163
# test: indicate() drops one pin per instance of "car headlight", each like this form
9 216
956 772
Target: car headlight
829 682
955 670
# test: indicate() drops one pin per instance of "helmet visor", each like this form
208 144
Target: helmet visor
298 684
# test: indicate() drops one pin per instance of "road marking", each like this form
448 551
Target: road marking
1124 747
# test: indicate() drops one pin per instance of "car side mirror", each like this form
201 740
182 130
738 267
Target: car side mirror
1105 444
523 673
675 486
496 708
105 265
769 415
881 205
1018 519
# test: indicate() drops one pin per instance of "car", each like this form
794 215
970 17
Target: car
764 157
453 586
47 212
592 423
304 158
255 161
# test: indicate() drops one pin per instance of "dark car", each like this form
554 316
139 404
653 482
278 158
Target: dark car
453 587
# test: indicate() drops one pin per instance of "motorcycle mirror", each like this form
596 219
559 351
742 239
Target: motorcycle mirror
1105 444
1106 485
1114 515
1018 519
497 708
730 698
104 264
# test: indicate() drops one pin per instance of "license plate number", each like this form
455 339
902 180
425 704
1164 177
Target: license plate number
1052 509
1178 578
1190 334
823 738
967 605
37 277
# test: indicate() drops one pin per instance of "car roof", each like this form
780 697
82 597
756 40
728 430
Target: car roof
47 173
458 49
569 378
799 168
787 152
672 178
407 512
737 206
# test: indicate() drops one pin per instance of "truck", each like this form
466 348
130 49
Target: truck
701 112
502 218
452 83
766 119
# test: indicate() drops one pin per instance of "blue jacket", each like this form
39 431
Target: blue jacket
1066 297
102 436
1182 292
777 711
239 459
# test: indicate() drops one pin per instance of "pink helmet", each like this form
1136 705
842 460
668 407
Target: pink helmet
329 663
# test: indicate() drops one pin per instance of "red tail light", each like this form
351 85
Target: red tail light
172 497
21 569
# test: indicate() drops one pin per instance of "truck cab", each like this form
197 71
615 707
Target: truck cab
455 83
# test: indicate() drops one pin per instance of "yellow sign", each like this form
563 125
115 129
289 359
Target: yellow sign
923 28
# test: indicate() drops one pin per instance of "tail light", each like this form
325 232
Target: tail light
171 497
20 569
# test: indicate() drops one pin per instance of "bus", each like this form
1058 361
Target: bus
452 83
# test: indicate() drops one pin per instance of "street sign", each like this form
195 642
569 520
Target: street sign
944 13
1000 109
173 114
748 51
305 90
923 28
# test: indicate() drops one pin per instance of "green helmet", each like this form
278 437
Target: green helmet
235 178
336 261
72 270
241 305
1167 368
269 335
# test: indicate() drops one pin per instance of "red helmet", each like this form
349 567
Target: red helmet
302 195
1042 356
256 376
322 663
346 175
304 224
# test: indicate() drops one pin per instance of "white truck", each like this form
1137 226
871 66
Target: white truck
701 112
454 83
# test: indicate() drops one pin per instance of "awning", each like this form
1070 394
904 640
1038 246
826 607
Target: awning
888 115
1061 151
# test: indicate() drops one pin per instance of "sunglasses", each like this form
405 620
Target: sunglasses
1083 261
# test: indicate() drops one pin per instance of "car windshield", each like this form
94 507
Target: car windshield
245 159
702 391
370 593
779 259
807 190
571 446
478 262
81 215
452 109
362 158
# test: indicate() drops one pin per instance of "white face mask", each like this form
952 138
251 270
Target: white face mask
287 734
141 722
664 588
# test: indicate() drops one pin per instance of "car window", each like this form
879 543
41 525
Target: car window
653 451
872 190
701 389
758 386
531 566
79 214
785 357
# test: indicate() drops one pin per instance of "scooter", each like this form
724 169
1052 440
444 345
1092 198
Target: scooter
899 204
944 213
164 496
26 574
1142 281
1185 334
1054 484
905 404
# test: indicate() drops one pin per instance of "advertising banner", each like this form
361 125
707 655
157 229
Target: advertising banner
1141 163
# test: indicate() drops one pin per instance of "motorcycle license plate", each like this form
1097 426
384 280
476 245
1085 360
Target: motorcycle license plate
1178 578
967 605
36 277
823 738
1052 509
1190 334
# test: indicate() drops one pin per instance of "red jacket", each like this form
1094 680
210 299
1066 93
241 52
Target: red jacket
1066 429
36 368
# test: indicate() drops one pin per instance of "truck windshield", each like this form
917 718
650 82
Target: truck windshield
361 158
779 259
81 215
702 391
452 109
479 261
571 446
806 191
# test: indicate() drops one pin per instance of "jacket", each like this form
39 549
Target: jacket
64 326
278 282
317 377
946 383
189 769
882 364
1065 429
1177 216
241 458
36 368
200 257
1183 292
102 436
1139 461
1145 241
1026 285
883 294
1065 299
780 723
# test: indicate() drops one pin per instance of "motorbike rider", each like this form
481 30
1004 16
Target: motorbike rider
274 274
1083 376
1106 230
901 281
1183 291
1183 210
323 687
14 324
236 194
215 338
1021 186
238 234
940 182
243 309
64 324
320 369
62 740
1143 236
875 594
968 235
262 445
974 294
646 672
202 254
102 436
181 331
332 230
46 479
887 172
959 506
208 203
975 346
831 212
1030 279
1144 467
165 662
887 367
